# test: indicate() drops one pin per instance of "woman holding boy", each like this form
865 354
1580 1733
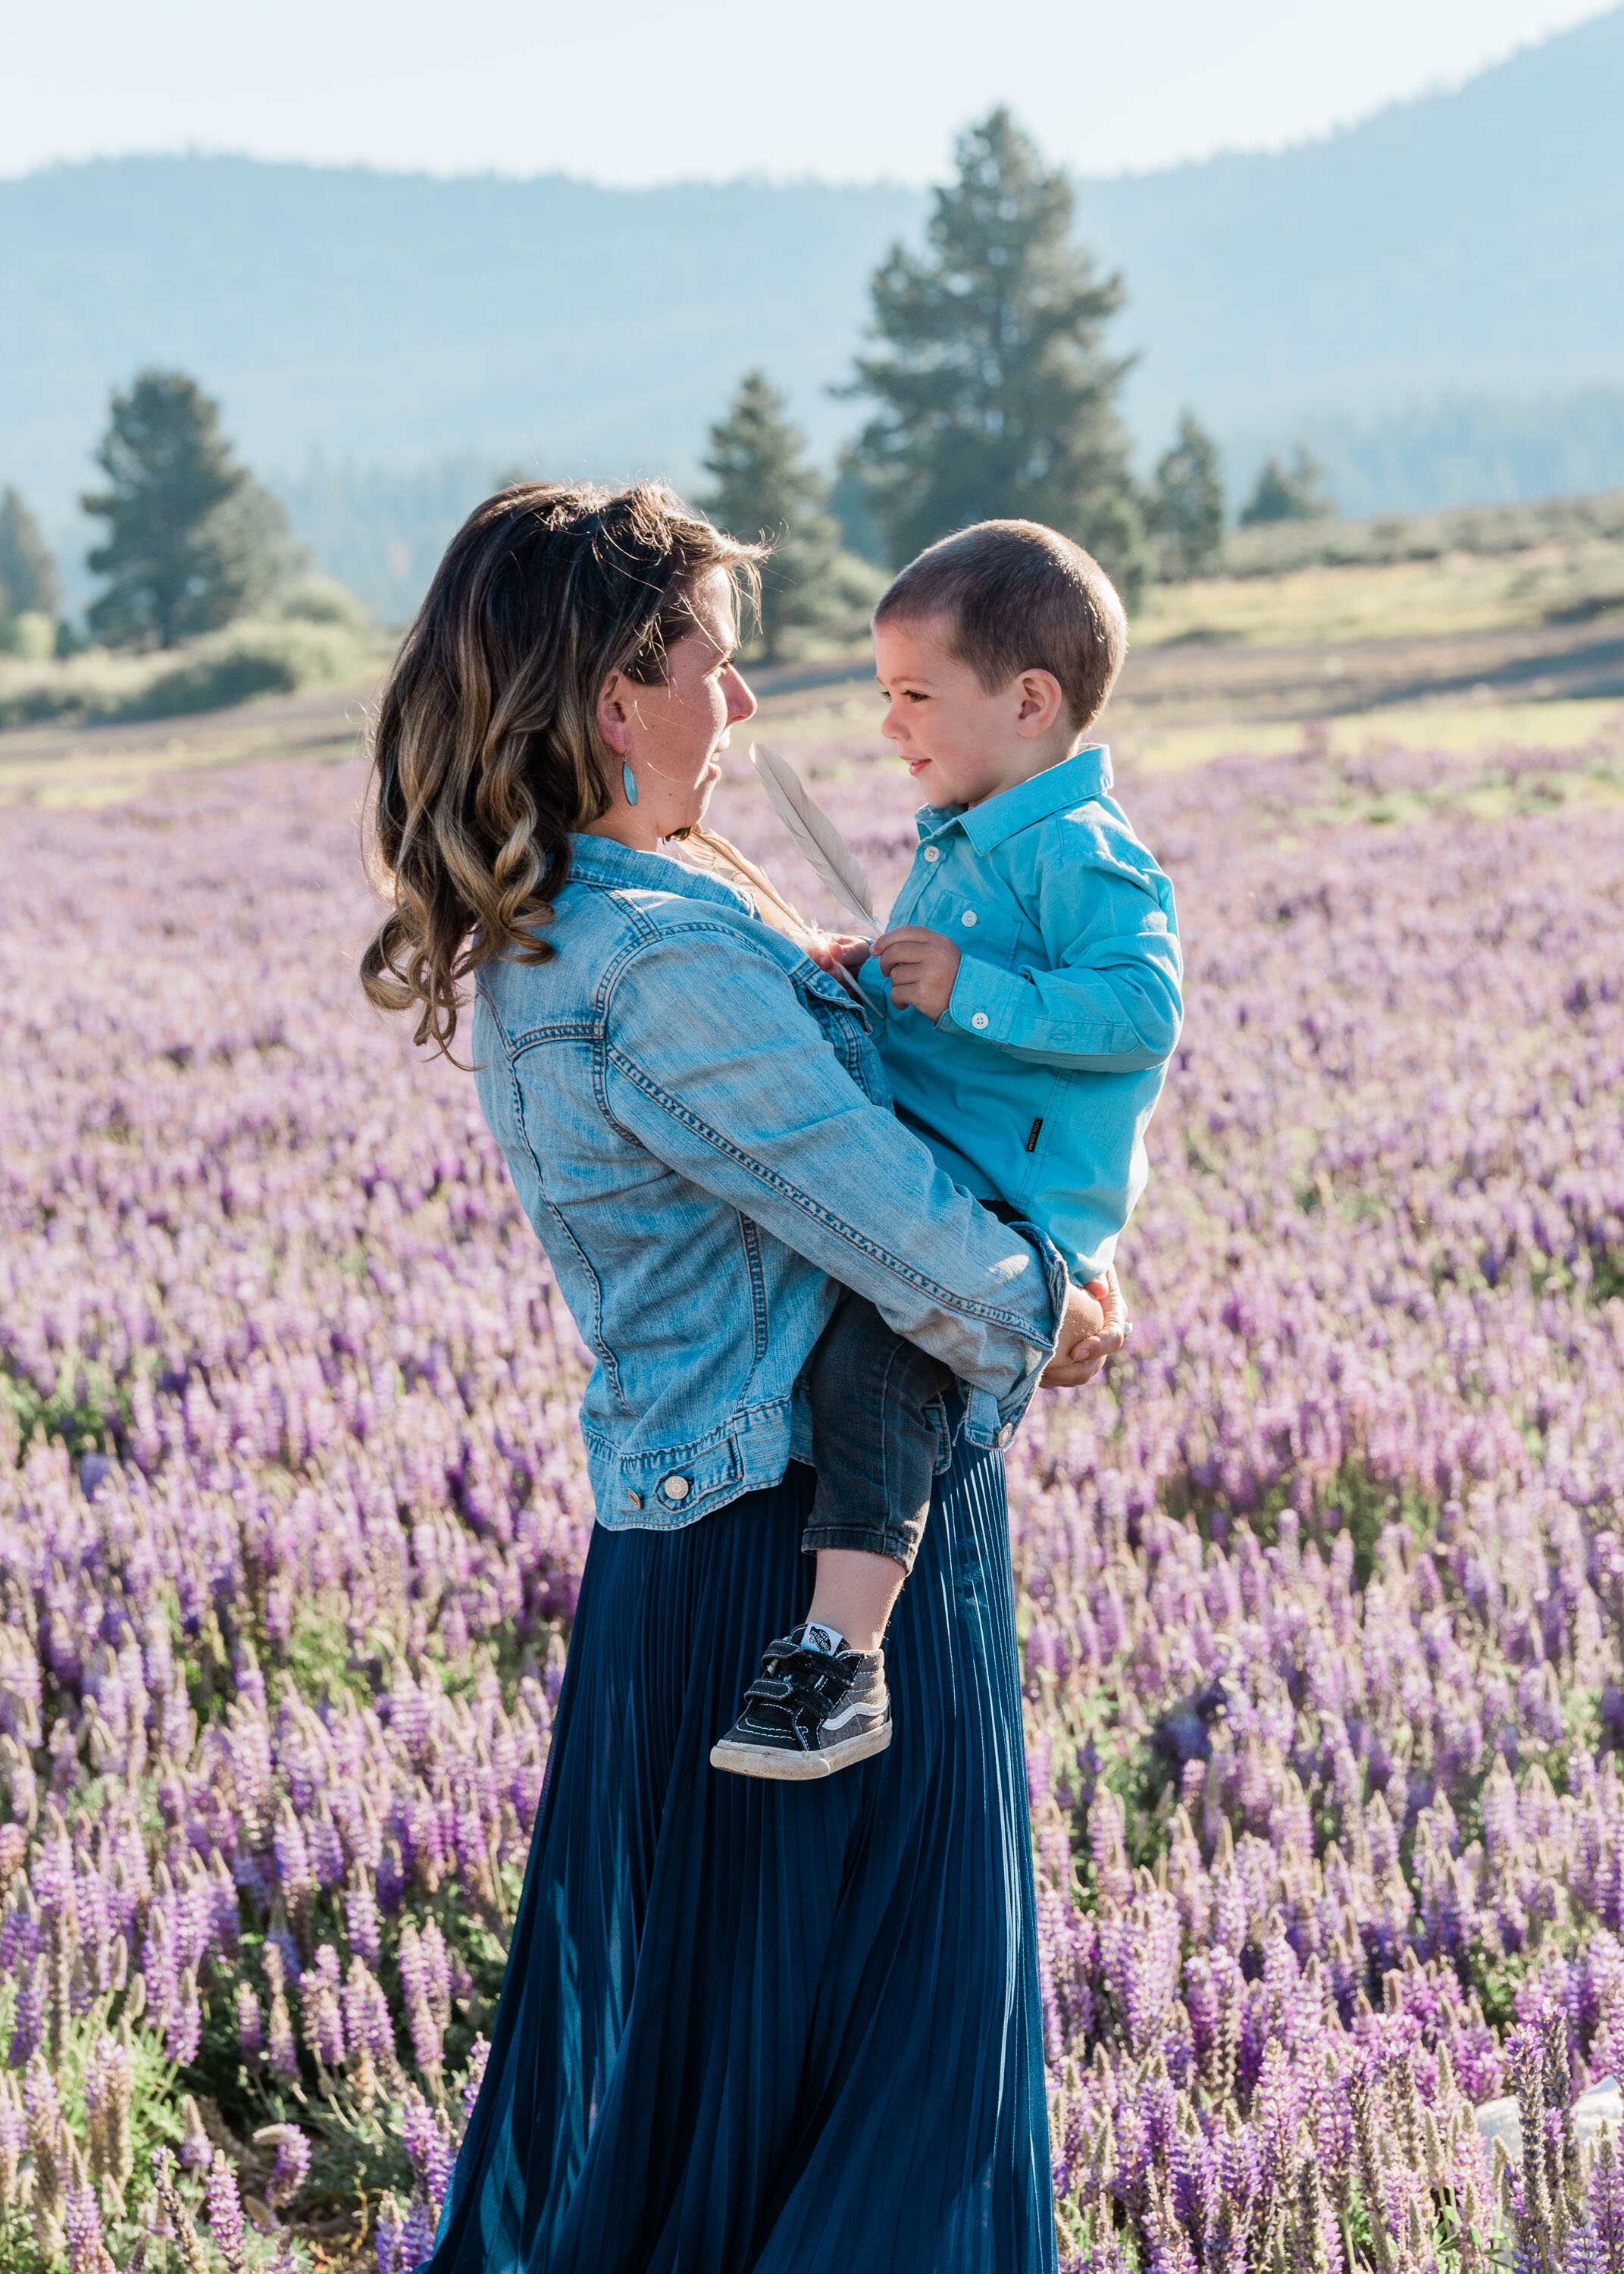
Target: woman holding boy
751 2024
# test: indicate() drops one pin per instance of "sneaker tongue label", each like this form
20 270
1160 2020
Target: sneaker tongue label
823 1638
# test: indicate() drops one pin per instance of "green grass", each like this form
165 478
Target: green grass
1274 547
1574 580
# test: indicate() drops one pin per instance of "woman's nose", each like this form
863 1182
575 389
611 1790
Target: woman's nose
740 702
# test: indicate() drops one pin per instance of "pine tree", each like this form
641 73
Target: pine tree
193 541
28 583
1186 501
765 488
996 396
1293 493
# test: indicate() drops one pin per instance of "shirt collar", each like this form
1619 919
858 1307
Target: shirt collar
1058 788
607 862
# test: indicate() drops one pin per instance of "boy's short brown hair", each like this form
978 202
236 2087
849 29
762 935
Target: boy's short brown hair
1019 598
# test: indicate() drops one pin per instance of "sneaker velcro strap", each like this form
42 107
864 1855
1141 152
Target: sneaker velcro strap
771 1686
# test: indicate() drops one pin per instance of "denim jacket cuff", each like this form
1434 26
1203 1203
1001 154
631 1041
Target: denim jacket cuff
989 1421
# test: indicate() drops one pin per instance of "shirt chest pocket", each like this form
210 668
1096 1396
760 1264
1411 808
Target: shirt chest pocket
986 925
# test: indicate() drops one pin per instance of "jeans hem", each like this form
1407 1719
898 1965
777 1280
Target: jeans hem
873 1539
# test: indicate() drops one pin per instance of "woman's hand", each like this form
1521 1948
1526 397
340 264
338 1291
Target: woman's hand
839 951
1095 1326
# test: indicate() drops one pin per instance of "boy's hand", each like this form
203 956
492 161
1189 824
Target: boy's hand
921 967
1084 1346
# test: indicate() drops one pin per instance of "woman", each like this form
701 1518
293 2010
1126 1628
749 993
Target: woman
745 2025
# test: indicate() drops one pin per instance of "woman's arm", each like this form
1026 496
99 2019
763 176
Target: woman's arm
713 1063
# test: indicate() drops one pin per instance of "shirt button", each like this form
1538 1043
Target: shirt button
977 1020
968 916
933 852
675 1487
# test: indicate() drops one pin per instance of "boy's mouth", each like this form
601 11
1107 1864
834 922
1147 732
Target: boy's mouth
917 766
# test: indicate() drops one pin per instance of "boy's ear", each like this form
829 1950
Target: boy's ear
1041 700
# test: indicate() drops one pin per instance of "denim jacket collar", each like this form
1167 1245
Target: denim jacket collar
1087 774
605 861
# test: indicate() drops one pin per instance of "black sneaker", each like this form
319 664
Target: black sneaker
807 1714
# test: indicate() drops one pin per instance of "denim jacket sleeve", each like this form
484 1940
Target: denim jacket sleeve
711 1060
1114 1005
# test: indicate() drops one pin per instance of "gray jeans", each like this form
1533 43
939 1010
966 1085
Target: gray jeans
879 1434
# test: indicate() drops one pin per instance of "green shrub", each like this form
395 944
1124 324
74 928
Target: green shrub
324 600
215 682
28 635
226 667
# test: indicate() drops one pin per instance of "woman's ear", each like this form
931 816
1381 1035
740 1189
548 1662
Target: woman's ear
611 713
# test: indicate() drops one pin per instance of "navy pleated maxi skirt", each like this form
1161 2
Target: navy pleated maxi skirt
766 2029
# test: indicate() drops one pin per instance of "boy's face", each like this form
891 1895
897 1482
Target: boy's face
960 743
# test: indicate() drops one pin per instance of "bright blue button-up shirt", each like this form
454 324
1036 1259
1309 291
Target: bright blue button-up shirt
1036 1084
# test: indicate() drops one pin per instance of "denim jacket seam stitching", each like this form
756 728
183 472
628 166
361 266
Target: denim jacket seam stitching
694 1448
527 1038
851 1040
966 1306
750 1234
606 1357
638 919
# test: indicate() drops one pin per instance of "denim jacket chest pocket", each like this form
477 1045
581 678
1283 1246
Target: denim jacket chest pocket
842 1021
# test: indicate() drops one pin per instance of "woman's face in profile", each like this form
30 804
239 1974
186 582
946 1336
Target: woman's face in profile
672 733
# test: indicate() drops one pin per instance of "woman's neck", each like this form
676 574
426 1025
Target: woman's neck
628 827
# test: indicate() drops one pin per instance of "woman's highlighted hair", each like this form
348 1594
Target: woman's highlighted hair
486 752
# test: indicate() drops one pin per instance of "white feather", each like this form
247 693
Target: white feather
816 834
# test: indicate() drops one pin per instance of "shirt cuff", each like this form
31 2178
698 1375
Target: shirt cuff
984 1003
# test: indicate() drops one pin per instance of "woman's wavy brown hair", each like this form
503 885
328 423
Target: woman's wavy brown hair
486 752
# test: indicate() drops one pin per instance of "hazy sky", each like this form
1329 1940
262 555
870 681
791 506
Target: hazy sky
639 91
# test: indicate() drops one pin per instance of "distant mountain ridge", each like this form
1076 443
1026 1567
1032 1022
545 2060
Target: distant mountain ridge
1470 242
1467 244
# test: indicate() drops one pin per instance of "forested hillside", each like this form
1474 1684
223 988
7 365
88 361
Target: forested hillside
1468 246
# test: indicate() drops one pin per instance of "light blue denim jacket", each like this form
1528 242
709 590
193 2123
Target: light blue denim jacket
698 1126
1036 1085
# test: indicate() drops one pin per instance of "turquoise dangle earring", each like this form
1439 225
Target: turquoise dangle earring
628 782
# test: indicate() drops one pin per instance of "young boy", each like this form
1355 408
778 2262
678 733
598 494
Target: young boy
1026 1000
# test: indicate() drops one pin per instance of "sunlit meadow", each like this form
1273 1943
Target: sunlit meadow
1320 1594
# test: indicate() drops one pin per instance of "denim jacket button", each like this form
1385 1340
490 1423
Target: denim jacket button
675 1487
1005 1434
634 1499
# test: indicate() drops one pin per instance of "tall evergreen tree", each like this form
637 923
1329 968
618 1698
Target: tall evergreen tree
192 540
764 488
27 573
1186 501
996 397
1293 493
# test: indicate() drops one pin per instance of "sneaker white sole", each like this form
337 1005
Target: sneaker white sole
798 1768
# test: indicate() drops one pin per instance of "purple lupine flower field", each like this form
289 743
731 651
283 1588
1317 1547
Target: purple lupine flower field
1321 1595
